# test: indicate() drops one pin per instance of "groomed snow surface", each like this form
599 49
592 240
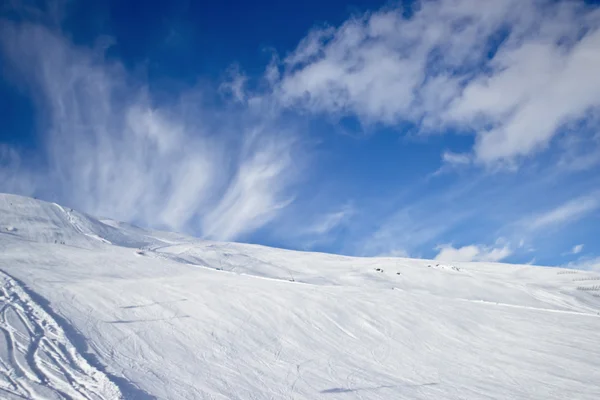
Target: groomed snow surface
96 309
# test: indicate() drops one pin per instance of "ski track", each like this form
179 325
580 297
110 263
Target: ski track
37 361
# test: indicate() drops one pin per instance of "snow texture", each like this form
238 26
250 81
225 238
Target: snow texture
96 309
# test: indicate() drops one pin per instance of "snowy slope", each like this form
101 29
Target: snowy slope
103 310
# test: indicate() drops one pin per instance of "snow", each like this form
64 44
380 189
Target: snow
37 358
96 309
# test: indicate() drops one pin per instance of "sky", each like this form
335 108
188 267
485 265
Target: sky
455 130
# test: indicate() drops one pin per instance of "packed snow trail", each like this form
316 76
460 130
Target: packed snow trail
37 361
161 315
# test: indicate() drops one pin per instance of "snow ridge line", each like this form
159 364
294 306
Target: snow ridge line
493 303
46 355
551 310
75 223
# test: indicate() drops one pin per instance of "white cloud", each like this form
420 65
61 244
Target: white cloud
565 213
456 158
585 263
448 253
574 250
538 87
113 150
577 249
434 69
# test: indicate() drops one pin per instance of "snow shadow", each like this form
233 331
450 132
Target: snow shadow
132 321
364 389
156 303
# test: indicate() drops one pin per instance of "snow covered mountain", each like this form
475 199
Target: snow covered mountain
96 309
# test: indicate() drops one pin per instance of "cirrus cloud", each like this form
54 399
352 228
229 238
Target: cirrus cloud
565 213
111 149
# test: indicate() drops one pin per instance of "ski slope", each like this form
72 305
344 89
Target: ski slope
96 309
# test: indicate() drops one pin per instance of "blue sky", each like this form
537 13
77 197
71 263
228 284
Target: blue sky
437 129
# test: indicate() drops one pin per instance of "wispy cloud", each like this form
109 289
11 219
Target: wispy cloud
113 150
577 249
328 222
473 252
565 213
257 192
452 161
456 158
415 224
11 173
402 232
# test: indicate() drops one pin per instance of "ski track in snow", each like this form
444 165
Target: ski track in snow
37 361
